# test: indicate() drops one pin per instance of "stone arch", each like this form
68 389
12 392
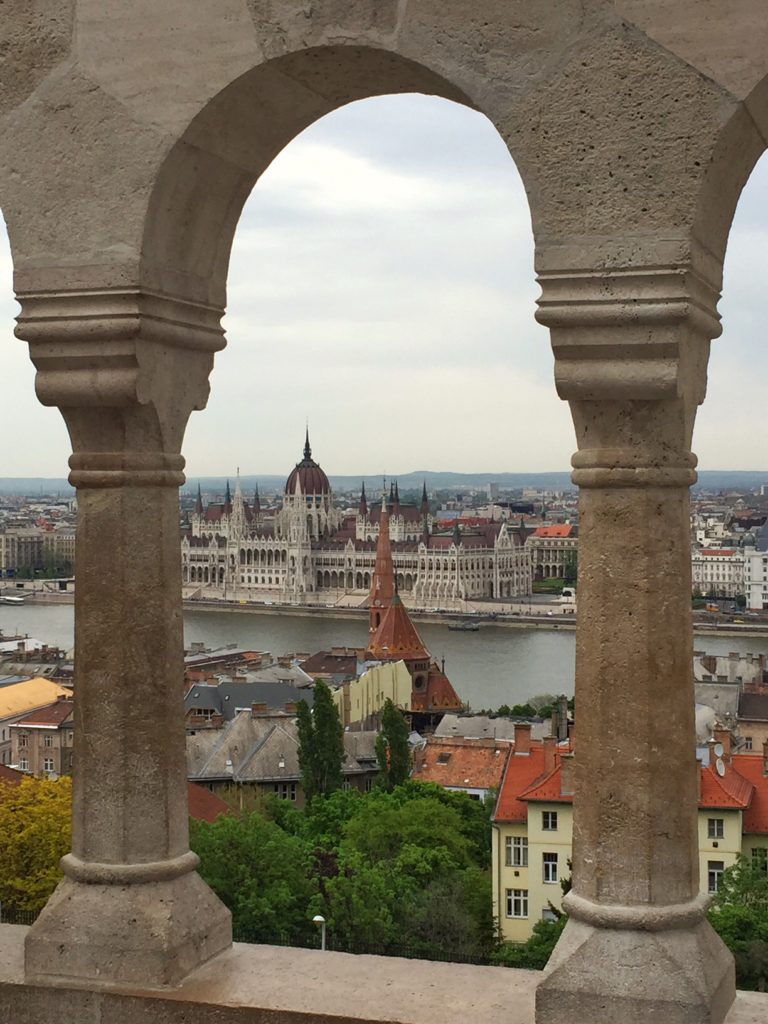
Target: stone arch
206 176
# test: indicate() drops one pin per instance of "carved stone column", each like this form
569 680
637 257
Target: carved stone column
631 352
126 369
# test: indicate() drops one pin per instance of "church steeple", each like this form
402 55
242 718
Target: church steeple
363 502
227 499
199 502
382 587
424 500
256 501
396 502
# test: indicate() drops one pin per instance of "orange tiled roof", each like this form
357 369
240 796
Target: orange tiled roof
439 694
750 768
731 790
204 805
521 772
463 764
556 530
547 789
396 636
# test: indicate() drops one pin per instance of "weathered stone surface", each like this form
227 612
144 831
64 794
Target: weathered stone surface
270 983
130 137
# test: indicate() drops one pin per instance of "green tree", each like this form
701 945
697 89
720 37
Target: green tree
262 874
533 954
321 743
571 568
739 914
35 833
392 748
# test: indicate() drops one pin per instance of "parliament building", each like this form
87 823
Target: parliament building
310 549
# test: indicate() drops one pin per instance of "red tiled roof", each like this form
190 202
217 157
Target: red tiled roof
10 776
204 805
558 530
439 693
731 790
464 764
751 768
522 771
52 714
717 551
396 636
547 789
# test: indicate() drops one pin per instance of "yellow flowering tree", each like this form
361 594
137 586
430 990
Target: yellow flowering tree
35 833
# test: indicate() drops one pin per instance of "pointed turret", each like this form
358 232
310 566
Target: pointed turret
307 446
363 509
199 502
227 500
256 501
396 501
238 509
424 500
382 586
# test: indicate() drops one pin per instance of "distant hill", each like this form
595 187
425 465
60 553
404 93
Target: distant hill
709 480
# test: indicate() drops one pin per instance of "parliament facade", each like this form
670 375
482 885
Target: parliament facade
309 547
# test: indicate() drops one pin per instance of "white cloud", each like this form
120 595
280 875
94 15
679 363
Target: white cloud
382 284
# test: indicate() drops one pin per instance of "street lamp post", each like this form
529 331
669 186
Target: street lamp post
319 920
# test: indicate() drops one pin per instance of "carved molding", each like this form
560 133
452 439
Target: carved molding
626 334
126 368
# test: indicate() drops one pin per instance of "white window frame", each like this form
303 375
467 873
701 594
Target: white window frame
517 903
549 821
23 764
716 828
715 869
48 764
516 852
549 876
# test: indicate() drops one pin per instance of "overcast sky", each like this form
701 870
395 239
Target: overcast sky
381 286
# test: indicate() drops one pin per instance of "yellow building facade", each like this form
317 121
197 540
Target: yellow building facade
532 836
363 698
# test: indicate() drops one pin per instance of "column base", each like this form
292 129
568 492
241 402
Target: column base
150 934
627 976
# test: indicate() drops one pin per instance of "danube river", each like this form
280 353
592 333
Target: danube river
497 665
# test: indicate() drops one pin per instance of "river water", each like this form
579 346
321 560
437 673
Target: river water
497 665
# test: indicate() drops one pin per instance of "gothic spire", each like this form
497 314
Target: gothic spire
424 499
307 446
397 496
363 501
199 502
228 499
256 500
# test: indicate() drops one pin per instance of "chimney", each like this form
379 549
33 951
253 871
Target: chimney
572 735
566 774
550 747
723 735
259 708
522 737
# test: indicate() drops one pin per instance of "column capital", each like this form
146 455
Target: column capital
126 367
631 348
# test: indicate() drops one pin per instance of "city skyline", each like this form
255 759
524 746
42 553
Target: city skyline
382 275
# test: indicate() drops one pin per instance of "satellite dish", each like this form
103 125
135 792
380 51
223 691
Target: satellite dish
719 750
719 767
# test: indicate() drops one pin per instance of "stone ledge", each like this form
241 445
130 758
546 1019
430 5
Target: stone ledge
274 984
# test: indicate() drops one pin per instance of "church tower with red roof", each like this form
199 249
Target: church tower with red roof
393 636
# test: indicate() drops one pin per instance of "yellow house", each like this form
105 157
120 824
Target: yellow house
533 826
362 698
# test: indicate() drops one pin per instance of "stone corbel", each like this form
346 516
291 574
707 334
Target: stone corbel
631 350
126 368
